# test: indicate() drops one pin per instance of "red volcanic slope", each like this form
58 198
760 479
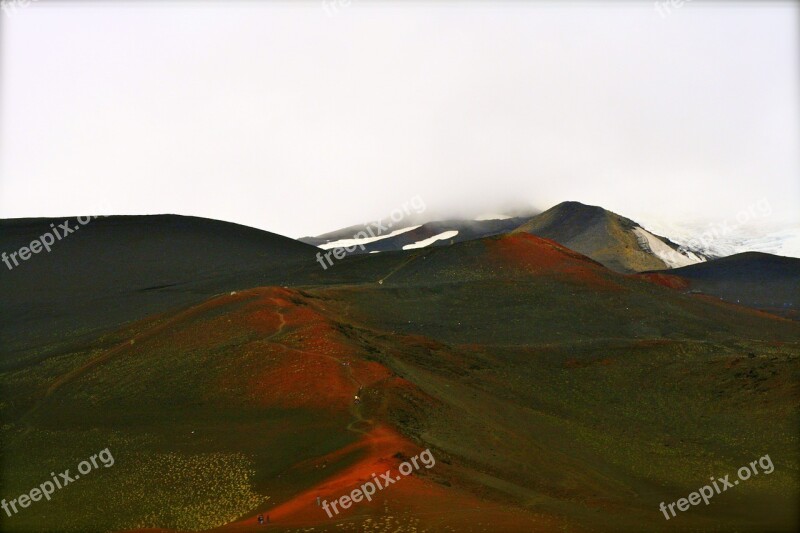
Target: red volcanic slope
682 284
314 364
298 359
536 255
415 498
303 353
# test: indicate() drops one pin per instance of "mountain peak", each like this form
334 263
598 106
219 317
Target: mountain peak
613 240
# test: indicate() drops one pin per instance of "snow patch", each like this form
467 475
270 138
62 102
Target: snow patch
430 240
347 243
672 258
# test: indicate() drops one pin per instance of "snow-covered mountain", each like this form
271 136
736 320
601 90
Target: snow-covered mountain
617 242
613 240
379 237
673 256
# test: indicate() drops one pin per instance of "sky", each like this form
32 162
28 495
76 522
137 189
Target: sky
304 117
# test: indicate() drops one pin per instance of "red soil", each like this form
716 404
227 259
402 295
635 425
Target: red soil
302 359
378 447
535 255
415 496
296 354
666 280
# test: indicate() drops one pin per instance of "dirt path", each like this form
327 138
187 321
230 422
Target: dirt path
376 443
355 409
398 267
299 510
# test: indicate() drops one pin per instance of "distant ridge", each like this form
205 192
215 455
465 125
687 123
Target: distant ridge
119 268
467 230
617 242
755 279
610 239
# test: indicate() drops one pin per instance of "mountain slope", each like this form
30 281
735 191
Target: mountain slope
120 268
402 237
517 287
615 241
763 281
554 394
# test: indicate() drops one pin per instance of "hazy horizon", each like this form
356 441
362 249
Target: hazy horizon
307 117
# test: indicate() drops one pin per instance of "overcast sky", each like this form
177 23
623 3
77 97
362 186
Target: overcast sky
307 117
